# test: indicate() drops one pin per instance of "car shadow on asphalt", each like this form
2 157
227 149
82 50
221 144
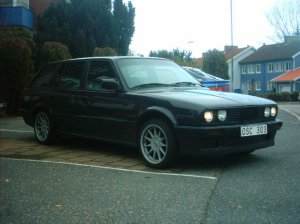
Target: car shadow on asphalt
98 148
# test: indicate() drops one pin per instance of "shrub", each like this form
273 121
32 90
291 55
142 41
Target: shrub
106 51
16 70
284 96
53 51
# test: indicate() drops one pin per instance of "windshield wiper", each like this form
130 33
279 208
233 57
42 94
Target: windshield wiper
185 84
150 85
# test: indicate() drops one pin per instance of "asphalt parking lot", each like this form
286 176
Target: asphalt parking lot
83 181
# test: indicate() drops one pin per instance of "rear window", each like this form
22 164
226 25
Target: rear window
71 75
45 76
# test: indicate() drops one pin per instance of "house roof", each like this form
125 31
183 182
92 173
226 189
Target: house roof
236 51
274 52
288 76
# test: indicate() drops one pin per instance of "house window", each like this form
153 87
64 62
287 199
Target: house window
249 85
270 86
270 68
257 68
244 69
278 67
288 65
257 85
250 69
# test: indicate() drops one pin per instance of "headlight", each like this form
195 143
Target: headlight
273 111
222 114
267 112
208 116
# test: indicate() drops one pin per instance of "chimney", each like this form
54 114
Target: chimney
227 48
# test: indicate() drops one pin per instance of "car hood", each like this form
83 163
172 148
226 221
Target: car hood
206 98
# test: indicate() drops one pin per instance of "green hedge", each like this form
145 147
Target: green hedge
284 96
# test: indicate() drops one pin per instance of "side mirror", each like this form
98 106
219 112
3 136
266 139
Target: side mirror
110 84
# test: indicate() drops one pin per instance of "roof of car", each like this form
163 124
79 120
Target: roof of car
111 58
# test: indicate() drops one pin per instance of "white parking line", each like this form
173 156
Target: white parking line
118 169
17 131
290 112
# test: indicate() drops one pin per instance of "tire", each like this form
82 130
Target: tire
44 130
158 145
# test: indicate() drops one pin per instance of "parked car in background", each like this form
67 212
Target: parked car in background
209 81
151 103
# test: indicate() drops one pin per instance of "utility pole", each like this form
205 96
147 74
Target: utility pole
231 25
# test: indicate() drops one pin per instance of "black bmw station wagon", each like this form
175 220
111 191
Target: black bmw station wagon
151 103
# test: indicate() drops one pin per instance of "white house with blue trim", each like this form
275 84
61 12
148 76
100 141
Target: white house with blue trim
233 56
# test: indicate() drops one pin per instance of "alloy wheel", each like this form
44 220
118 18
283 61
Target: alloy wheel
154 144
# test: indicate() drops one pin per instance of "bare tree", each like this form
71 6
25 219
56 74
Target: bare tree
285 19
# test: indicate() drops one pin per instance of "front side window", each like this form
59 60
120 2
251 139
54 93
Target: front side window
45 76
71 75
98 71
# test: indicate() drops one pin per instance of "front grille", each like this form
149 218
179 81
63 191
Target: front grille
246 115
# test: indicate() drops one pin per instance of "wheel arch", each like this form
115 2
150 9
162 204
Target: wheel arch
40 107
168 121
156 112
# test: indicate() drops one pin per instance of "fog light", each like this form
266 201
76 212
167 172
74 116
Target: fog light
273 111
222 114
208 116
267 112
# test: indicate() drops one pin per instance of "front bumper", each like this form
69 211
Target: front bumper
223 139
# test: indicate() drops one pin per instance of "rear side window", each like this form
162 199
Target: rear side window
45 76
71 75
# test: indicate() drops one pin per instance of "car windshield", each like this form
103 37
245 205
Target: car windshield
151 72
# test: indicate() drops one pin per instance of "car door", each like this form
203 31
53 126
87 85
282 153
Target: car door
108 113
65 97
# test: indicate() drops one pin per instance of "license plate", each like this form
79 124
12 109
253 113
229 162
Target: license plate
251 130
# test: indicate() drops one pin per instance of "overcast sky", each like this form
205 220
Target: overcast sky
199 25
